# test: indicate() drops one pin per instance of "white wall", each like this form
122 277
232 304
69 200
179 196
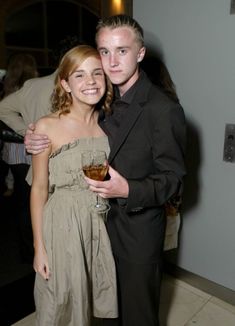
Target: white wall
197 38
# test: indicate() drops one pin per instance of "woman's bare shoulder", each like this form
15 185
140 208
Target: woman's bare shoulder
46 123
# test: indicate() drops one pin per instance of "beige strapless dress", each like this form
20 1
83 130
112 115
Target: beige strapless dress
83 276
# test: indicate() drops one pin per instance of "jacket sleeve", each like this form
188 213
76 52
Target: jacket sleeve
10 114
168 151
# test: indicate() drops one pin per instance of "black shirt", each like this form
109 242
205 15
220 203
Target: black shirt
120 106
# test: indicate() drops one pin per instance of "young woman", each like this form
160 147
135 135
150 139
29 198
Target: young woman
75 271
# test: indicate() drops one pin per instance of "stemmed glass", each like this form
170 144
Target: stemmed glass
95 166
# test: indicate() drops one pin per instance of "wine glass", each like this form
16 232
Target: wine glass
95 166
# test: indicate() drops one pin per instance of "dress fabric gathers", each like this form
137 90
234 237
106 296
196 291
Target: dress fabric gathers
83 277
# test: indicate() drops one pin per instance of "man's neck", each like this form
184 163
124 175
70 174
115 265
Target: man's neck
123 88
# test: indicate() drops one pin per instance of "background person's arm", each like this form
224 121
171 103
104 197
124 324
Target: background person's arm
10 112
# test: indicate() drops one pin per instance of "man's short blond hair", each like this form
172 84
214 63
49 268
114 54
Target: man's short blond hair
116 21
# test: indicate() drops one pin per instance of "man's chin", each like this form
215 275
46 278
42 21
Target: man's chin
117 81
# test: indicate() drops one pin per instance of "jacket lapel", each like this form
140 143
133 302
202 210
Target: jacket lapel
134 111
132 115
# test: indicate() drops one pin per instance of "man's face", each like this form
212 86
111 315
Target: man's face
120 54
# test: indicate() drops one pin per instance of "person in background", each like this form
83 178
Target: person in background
21 67
159 75
2 76
32 100
75 270
147 136
3 165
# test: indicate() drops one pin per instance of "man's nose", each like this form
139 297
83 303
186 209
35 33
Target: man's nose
113 60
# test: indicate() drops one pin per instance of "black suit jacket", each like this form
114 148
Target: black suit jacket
149 152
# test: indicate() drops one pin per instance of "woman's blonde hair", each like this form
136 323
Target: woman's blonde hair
62 100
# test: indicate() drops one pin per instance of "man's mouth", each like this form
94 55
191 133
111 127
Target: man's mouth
114 71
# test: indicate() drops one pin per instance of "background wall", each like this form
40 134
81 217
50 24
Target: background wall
197 42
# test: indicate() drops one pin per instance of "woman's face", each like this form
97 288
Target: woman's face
86 84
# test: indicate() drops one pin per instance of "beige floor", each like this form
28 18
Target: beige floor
183 305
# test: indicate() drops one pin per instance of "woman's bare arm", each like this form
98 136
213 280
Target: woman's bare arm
38 199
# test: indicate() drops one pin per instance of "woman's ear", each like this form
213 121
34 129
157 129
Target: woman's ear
65 86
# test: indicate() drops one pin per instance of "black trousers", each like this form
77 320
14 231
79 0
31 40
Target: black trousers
138 294
21 198
3 173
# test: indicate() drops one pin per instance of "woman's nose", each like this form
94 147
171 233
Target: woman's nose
90 79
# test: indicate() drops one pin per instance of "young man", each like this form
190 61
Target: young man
147 138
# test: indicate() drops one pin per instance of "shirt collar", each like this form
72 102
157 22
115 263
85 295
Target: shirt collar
129 95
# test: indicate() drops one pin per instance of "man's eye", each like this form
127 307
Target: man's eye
103 52
123 51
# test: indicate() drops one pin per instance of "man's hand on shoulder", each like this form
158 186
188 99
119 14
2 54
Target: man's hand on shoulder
35 143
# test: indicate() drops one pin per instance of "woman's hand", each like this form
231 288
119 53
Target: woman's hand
40 263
